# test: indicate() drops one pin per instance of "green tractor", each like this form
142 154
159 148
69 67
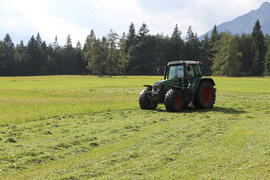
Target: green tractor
182 86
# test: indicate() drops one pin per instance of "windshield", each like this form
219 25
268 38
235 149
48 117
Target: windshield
176 72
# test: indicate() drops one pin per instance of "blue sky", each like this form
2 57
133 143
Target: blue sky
22 18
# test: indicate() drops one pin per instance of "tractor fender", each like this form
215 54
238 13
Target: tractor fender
149 87
203 80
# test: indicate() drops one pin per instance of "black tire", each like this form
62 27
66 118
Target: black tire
146 102
205 95
174 101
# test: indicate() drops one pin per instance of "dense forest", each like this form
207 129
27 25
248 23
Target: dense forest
139 53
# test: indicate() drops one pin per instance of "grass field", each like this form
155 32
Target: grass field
82 127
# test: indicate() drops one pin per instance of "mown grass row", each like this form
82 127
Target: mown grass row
30 98
113 139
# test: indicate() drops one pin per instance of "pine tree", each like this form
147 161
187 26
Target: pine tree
161 50
267 61
131 38
20 58
68 42
42 56
190 35
214 35
97 58
90 40
245 47
188 43
143 33
176 45
192 45
54 57
176 35
258 50
51 61
87 49
3 63
68 60
79 45
7 59
205 56
213 43
139 54
123 55
32 66
113 52
227 59
38 39
131 32
79 58
131 41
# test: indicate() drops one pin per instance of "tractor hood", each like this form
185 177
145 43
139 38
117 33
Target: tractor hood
165 84
158 82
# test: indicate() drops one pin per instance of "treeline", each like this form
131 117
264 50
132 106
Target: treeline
138 53
36 58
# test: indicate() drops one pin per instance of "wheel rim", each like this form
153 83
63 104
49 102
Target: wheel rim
207 95
177 102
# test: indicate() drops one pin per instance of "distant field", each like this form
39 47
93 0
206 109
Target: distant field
82 127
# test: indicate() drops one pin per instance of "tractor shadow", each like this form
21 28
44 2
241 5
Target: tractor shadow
228 110
215 109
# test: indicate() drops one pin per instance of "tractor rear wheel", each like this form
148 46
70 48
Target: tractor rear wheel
174 101
146 102
205 95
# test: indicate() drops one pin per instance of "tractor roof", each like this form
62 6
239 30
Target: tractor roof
183 62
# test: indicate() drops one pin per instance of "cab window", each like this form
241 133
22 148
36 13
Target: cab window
197 71
191 71
176 72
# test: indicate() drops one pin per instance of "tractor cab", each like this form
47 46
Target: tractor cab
183 73
182 70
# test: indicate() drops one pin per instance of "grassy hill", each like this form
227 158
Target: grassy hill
82 127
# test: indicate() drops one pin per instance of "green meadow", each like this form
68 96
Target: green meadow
87 127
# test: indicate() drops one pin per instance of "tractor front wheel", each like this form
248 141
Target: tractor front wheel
146 102
174 101
205 95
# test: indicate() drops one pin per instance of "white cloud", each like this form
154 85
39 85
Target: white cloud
77 17
29 13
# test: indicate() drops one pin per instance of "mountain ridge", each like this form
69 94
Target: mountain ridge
244 23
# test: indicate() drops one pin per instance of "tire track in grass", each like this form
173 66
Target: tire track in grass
156 155
170 153
200 131
150 143
222 163
94 154
36 146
